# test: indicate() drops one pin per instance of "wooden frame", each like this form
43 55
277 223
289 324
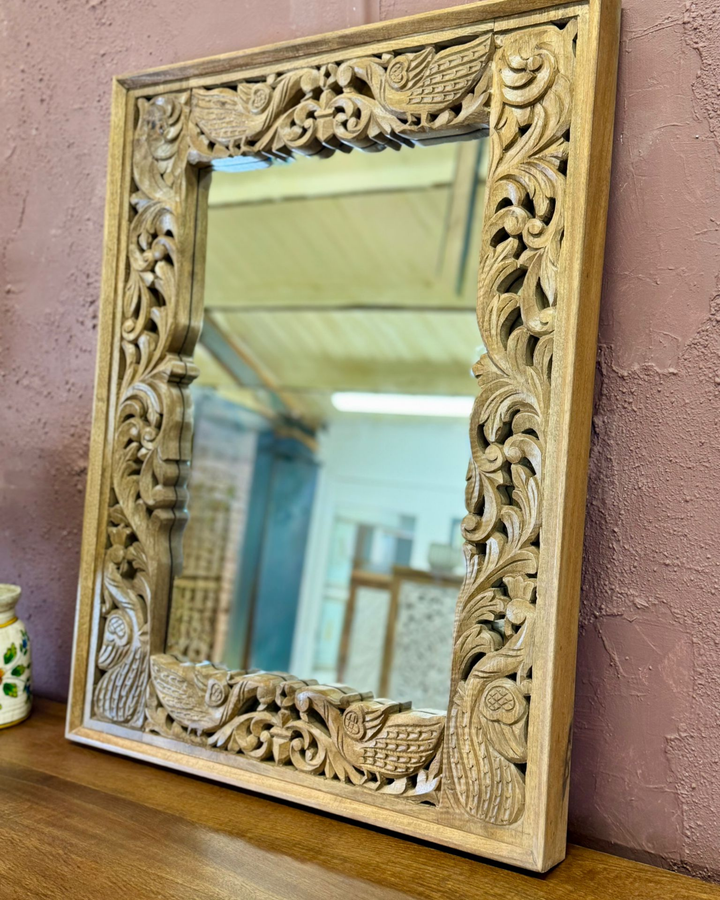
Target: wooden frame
358 579
392 584
400 576
492 777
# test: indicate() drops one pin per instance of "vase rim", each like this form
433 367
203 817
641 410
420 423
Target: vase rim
9 594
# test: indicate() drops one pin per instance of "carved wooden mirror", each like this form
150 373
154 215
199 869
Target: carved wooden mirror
289 358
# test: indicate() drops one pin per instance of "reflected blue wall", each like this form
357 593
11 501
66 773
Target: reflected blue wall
273 553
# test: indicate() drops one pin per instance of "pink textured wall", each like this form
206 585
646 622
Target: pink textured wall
647 726
647 729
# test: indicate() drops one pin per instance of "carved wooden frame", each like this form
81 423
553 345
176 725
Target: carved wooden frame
539 76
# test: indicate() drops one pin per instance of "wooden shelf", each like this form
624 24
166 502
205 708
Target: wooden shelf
82 823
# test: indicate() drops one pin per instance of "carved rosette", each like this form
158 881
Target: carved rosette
517 301
519 85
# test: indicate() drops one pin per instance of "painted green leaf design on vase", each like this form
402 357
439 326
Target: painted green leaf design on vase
18 670
10 690
10 654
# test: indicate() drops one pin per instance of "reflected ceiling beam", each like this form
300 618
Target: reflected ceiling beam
234 295
410 170
238 362
339 307
465 194
342 192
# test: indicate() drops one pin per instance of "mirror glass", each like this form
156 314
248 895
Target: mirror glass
331 419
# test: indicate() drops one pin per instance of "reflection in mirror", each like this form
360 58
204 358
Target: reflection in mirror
331 411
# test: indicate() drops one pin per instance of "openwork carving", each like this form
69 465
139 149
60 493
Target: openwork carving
320 730
519 85
367 103
518 293
150 450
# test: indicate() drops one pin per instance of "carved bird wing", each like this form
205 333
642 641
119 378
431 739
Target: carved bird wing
491 725
404 745
430 81
222 114
117 639
120 693
121 594
180 696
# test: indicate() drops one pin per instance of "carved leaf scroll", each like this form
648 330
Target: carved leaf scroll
332 731
517 299
518 84
367 103
150 451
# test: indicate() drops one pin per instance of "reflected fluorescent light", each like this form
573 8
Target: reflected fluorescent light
403 404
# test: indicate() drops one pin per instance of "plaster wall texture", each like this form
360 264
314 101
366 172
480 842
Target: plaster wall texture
647 732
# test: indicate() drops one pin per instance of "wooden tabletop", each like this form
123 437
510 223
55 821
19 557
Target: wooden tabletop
80 823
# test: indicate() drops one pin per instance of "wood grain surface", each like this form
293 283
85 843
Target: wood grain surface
491 776
81 823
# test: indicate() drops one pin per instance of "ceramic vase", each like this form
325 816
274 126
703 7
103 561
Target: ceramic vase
15 691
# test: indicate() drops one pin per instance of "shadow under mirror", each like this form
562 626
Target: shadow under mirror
331 420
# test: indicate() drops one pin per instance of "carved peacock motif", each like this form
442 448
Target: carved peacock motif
203 697
332 729
366 102
227 116
382 738
119 693
431 81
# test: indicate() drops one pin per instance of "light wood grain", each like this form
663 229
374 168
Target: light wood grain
569 428
99 827
117 215
542 83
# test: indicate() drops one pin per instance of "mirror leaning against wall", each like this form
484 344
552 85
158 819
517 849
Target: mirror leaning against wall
331 419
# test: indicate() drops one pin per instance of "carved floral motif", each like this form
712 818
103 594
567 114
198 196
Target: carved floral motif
519 85
149 461
332 731
517 298
367 103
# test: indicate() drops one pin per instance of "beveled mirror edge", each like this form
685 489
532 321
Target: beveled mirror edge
541 843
